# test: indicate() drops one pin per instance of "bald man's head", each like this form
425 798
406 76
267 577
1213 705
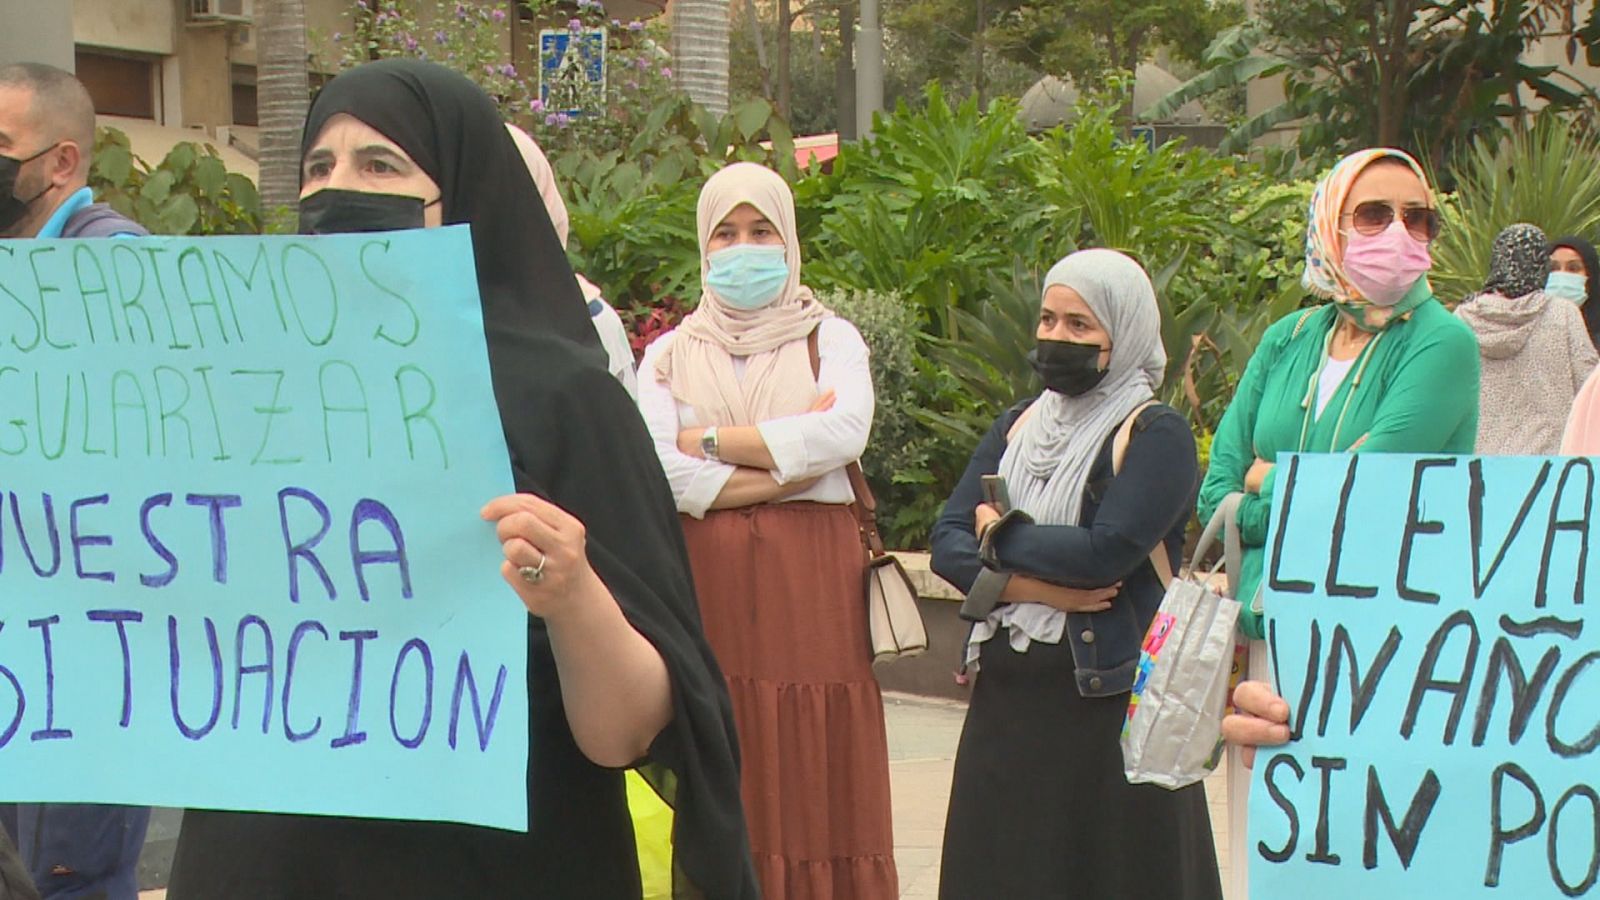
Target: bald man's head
47 139
58 107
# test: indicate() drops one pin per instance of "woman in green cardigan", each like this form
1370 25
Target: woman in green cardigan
1382 368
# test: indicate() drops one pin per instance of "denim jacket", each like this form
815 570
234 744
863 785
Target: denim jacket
1122 520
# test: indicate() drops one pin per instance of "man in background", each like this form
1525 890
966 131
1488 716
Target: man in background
71 851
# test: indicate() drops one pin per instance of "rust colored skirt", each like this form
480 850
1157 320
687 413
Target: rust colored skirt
781 597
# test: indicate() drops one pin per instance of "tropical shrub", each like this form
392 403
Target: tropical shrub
632 210
895 461
927 207
987 363
191 191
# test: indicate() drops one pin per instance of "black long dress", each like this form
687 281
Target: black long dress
575 437
1039 806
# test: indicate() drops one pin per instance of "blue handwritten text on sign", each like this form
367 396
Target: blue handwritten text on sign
241 565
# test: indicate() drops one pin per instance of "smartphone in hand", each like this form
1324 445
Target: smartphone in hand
994 493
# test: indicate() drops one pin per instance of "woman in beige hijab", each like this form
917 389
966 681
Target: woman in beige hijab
613 334
755 447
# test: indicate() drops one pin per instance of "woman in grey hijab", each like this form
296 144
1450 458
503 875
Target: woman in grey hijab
1535 349
1072 573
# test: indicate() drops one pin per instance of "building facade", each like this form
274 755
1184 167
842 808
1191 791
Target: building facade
191 64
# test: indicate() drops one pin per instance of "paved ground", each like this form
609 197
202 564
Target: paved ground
922 746
923 734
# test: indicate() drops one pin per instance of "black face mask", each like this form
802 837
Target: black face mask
335 211
1067 367
12 207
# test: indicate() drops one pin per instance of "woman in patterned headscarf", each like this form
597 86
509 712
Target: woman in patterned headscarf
1383 368
1536 351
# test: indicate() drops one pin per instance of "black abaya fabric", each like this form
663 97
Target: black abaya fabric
1591 265
574 437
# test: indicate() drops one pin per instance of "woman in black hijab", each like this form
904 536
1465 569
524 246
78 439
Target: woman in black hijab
618 668
1576 256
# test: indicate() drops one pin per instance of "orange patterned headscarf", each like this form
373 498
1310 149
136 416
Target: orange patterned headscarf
1324 275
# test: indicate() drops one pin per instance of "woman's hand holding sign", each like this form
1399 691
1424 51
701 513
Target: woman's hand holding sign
1260 719
546 550
613 681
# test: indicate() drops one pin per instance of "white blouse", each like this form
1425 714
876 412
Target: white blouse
614 337
803 446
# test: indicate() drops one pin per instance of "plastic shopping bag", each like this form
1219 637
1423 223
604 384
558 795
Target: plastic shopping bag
1187 665
652 831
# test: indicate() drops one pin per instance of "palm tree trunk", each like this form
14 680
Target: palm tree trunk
700 51
283 96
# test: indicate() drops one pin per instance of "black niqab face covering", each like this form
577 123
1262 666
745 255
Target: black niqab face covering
452 130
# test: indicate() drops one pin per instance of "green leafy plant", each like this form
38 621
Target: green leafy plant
1218 299
989 359
632 210
190 192
897 453
934 201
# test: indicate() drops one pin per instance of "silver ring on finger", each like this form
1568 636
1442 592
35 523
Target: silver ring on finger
534 574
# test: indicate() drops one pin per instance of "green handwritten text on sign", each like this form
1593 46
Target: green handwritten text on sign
1431 622
241 565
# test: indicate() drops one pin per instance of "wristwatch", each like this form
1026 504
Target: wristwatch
708 444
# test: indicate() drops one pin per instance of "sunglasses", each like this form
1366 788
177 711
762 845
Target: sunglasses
1375 217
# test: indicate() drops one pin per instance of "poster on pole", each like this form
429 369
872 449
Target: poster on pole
572 71
241 562
1432 626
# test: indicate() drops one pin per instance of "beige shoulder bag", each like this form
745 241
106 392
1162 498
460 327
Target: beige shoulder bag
893 620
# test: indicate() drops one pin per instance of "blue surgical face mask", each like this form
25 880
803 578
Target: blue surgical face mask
1568 285
748 276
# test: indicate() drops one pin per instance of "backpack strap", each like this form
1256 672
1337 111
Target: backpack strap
1119 444
1119 452
1022 419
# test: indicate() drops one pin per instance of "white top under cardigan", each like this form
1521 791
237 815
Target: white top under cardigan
1333 373
803 446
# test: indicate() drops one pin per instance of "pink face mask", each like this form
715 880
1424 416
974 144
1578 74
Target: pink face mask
1385 266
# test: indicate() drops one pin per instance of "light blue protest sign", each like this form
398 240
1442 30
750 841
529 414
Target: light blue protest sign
241 563
1430 624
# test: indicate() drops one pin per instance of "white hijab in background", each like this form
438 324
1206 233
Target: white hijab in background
698 367
1047 463
613 334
